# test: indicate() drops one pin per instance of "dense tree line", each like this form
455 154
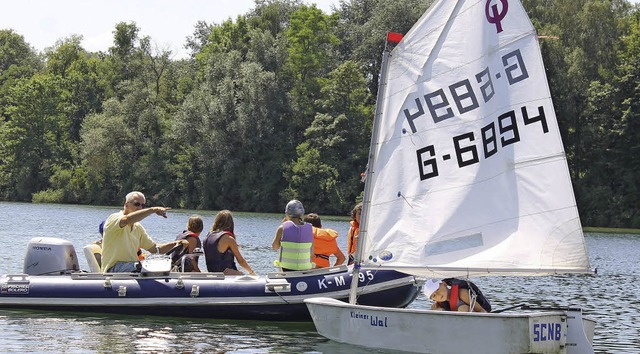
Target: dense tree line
278 103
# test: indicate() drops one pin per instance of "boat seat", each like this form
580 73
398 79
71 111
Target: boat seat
93 253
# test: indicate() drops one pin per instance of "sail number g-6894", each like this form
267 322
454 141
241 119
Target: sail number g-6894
466 150
501 132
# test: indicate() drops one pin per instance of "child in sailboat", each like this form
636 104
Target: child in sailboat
453 294
354 230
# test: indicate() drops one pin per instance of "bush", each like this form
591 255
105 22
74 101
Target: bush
48 196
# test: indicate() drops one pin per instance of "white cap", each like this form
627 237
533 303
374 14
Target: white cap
430 286
294 208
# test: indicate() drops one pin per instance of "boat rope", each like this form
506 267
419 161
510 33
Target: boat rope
472 299
281 297
510 308
538 308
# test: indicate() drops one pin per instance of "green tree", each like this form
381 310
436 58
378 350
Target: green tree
80 74
233 158
608 187
106 153
122 150
363 27
311 45
35 138
327 171
273 16
124 63
17 60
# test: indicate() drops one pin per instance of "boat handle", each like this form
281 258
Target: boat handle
195 291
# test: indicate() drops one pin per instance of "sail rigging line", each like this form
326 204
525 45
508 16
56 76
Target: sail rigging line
362 291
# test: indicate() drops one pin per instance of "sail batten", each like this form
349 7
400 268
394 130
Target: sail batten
470 173
452 272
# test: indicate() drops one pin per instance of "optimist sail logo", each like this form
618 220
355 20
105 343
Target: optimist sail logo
494 14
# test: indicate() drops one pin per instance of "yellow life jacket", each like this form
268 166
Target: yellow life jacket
295 246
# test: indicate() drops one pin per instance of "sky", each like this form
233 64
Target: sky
167 22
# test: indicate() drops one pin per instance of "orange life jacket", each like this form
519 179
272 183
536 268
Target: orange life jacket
324 245
351 238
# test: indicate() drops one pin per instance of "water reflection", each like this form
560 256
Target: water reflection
28 331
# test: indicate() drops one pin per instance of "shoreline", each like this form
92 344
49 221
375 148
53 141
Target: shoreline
611 230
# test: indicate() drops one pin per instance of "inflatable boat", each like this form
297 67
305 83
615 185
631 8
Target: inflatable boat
52 281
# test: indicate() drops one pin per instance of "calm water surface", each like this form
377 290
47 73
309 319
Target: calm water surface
612 297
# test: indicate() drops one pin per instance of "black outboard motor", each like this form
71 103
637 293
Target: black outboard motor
50 255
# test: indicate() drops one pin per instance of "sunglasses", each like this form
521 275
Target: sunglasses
138 204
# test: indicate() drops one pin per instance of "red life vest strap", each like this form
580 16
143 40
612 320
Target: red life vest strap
453 297
229 233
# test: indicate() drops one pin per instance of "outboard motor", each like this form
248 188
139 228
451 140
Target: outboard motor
50 255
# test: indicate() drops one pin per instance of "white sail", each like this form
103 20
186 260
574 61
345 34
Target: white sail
470 176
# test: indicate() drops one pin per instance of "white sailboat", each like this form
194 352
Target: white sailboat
467 177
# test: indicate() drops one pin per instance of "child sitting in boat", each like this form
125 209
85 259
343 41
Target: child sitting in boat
354 230
221 249
324 243
453 294
294 240
191 234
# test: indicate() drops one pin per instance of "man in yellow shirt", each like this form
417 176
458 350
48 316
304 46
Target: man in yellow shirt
123 235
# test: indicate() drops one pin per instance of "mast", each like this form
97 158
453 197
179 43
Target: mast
366 201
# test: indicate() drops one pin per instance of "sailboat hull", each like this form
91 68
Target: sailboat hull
428 331
277 296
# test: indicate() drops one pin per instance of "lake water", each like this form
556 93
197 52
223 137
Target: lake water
612 297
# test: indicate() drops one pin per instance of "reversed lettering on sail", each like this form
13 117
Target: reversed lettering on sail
470 171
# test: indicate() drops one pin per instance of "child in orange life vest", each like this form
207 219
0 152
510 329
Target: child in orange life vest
452 299
324 243
354 230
